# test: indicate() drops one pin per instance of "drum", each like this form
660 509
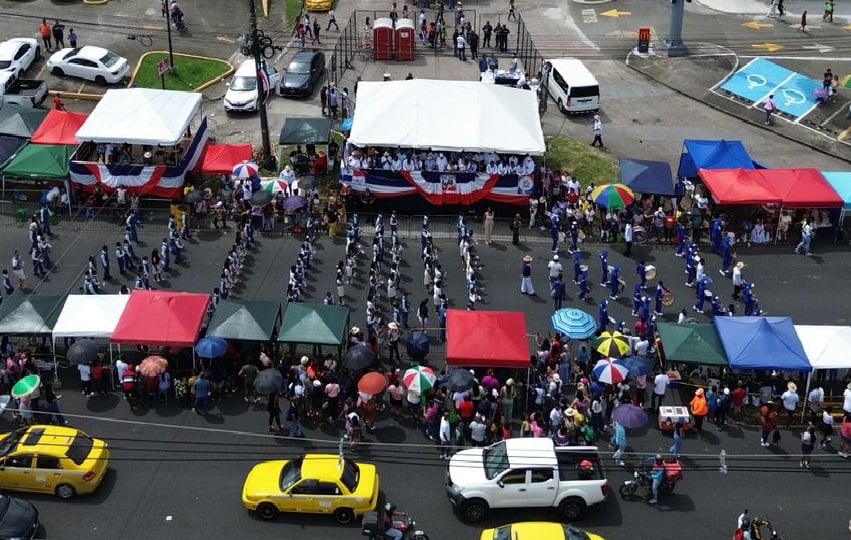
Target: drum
583 267
708 295
639 234
668 299
650 272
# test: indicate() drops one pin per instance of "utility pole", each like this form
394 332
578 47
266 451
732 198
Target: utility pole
269 161
674 41
167 17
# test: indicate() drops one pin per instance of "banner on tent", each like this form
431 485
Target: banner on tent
441 188
155 180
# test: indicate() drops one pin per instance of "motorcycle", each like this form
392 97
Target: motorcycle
643 478
372 525
748 529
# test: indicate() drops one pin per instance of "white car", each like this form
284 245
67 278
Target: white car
91 63
18 54
242 88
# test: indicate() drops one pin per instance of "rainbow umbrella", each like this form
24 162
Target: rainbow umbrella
613 196
419 379
613 344
607 371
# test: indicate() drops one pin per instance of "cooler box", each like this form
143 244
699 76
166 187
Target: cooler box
669 416
673 469
406 40
383 37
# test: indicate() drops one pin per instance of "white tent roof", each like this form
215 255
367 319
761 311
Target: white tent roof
827 347
93 316
141 116
449 116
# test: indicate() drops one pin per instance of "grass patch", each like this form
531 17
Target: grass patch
580 160
189 73
293 10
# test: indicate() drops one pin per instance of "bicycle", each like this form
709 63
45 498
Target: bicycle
144 40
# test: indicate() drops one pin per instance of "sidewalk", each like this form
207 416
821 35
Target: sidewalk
815 8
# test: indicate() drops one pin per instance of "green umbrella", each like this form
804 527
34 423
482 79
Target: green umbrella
26 387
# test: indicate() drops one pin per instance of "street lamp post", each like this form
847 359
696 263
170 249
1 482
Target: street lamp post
166 16
674 42
269 161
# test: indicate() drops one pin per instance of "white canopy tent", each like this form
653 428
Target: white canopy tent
826 347
93 316
141 116
450 116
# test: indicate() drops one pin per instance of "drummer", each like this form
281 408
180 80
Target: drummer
641 270
604 265
661 291
577 267
636 300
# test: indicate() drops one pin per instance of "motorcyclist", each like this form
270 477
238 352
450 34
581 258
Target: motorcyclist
390 526
176 12
743 527
658 476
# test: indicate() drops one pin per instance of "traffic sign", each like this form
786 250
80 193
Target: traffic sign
163 67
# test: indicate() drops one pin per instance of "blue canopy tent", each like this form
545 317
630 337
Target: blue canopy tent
647 177
762 343
841 184
714 155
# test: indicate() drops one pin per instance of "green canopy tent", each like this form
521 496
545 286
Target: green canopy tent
20 121
315 324
32 315
692 344
240 320
40 162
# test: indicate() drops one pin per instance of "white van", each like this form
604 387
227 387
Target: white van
242 93
571 85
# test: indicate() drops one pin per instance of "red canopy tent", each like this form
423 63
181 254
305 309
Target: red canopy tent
221 158
793 188
59 127
487 339
167 319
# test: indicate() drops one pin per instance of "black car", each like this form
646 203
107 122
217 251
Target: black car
18 518
303 73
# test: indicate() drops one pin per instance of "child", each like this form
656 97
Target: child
826 426
525 426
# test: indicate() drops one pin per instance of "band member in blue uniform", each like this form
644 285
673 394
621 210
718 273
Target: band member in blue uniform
577 267
604 314
716 232
636 300
614 283
682 236
702 286
604 267
584 288
726 255
641 270
661 291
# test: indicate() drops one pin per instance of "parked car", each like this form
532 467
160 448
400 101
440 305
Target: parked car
52 459
18 54
314 484
91 63
526 473
303 73
536 530
18 518
242 92
21 92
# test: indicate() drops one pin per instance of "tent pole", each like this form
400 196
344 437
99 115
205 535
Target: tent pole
806 395
194 359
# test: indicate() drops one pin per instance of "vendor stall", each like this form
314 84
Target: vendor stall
496 339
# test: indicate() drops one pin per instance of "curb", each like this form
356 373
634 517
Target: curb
95 2
75 95
199 89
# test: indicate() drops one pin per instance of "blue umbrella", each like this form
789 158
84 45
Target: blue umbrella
574 323
346 125
211 347
636 365
418 345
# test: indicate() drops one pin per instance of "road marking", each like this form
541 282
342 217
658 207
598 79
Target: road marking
80 90
615 13
818 47
225 39
756 25
589 16
770 47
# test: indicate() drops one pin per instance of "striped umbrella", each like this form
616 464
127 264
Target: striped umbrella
246 169
574 323
418 379
613 196
275 186
613 344
608 371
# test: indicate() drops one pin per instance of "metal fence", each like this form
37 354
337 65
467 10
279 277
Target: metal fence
345 50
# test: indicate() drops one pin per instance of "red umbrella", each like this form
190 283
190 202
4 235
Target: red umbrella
372 383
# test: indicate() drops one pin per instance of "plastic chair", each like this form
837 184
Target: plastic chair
21 215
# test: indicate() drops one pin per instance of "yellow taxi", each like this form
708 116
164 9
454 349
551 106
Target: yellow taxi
314 484
538 530
319 5
52 459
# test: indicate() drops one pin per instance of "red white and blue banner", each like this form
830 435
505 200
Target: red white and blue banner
151 180
441 188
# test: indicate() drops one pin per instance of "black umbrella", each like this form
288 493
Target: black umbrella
84 351
307 182
417 345
193 196
269 381
358 357
461 379
261 198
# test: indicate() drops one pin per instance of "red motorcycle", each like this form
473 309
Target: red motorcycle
373 524
643 478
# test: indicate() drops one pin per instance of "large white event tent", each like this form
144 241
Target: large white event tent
450 116
92 316
826 347
141 116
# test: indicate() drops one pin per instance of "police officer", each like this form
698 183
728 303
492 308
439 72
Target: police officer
119 256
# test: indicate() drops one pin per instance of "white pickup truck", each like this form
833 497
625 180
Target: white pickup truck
524 473
22 92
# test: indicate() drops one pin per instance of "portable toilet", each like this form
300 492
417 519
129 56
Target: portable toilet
383 38
406 40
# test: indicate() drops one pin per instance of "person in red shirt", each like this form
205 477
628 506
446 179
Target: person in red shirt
740 396
57 103
46 32
467 409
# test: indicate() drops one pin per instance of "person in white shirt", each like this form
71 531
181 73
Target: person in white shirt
491 168
660 387
529 164
386 162
441 162
790 399
445 436
555 269
86 378
815 401
846 399
407 164
478 431
121 368
521 82
501 168
396 163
